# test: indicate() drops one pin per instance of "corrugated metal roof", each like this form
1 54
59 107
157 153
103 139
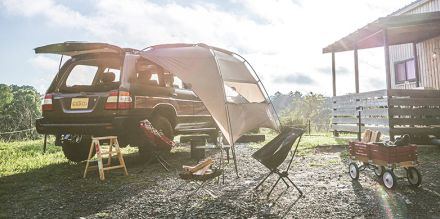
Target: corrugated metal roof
409 7
371 29
401 29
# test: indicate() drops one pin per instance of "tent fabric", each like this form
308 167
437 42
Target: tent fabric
233 69
210 71
251 92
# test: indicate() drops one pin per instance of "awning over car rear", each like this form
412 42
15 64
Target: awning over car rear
214 74
78 48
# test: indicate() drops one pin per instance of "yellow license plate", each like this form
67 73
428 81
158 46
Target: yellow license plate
79 103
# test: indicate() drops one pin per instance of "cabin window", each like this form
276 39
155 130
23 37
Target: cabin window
405 71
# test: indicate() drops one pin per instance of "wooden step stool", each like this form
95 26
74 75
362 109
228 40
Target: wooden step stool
96 144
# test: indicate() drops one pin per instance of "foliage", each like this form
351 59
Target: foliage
19 107
309 107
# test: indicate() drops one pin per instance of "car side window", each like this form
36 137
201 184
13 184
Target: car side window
115 71
178 83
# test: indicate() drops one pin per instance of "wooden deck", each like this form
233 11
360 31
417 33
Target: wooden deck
393 112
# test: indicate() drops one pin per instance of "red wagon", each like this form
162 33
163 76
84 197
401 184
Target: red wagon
383 160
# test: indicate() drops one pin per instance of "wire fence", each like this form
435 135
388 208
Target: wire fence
313 128
25 134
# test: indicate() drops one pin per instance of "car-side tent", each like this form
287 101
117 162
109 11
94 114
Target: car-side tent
224 81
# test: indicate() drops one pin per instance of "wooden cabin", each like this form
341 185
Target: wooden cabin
410 104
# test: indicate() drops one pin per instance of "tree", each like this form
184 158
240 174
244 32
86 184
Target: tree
19 107
310 107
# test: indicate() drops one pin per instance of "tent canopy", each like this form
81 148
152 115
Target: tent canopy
224 82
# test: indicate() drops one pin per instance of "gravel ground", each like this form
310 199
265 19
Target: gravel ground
151 192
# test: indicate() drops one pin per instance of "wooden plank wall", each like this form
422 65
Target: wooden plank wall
429 68
414 111
393 112
374 115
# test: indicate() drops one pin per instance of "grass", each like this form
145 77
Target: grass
24 156
308 142
27 176
30 179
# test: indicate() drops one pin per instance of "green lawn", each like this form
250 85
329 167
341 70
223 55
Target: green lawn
28 177
24 156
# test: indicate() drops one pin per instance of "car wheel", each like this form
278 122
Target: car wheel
122 141
163 125
76 147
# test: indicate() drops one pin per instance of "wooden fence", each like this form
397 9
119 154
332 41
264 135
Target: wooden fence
392 112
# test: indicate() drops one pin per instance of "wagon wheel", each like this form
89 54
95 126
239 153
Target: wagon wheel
414 177
389 179
378 170
353 171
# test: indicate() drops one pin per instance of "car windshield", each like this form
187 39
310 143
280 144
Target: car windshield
92 75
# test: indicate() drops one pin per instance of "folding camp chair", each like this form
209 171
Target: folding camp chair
158 141
273 154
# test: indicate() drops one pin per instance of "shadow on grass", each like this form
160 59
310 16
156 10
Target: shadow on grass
59 191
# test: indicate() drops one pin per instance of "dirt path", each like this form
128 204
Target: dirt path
150 192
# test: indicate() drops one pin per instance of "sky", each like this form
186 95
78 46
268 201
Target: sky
282 39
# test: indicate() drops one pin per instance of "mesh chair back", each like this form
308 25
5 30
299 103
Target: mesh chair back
275 152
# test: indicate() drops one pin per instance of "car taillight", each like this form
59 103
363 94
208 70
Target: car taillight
47 103
118 100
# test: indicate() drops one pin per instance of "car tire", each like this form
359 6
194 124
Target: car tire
164 125
161 124
77 147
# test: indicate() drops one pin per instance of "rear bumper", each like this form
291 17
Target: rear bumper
114 126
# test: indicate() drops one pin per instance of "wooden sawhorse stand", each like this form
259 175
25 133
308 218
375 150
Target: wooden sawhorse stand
96 144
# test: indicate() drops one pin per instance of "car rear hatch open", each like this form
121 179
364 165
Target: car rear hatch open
78 48
86 89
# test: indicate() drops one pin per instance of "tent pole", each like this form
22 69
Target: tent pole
235 158
231 136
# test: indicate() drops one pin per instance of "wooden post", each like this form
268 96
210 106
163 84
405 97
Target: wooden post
359 134
45 144
334 73
335 132
356 70
416 64
310 129
387 58
388 74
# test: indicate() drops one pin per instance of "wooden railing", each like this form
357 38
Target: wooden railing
414 111
392 112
